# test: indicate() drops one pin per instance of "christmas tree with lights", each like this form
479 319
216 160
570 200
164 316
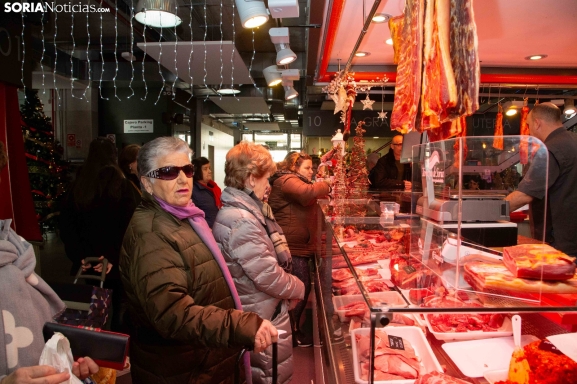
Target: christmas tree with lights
47 171
358 178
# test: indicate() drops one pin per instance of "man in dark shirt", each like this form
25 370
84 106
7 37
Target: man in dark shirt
389 174
561 225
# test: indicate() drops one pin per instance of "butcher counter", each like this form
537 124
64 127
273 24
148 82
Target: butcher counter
357 245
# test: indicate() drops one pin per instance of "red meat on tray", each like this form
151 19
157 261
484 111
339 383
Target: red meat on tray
538 261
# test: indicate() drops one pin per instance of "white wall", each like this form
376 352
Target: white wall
222 143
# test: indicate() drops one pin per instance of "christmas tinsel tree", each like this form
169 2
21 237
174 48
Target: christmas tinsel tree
358 179
47 171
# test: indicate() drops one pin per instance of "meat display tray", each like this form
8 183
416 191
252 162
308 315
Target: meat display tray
505 330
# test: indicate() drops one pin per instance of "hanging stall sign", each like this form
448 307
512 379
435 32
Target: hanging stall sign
139 126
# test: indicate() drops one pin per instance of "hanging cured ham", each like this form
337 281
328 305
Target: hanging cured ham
524 145
396 28
464 58
408 87
448 129
498 139
439 92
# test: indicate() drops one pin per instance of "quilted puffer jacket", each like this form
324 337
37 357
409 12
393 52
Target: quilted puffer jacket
186 329
293 202
262 284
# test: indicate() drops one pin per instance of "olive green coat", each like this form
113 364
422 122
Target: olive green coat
179 305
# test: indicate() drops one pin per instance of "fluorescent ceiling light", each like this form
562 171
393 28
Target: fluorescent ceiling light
362 54
252 14
227 91
272 75
157 13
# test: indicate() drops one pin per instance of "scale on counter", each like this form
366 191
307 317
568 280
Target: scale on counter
483 206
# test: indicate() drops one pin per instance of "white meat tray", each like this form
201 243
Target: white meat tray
392 298
505 330
413 335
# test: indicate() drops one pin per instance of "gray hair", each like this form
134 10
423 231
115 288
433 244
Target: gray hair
152 151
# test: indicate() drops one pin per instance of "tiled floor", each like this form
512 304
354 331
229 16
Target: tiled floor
55 267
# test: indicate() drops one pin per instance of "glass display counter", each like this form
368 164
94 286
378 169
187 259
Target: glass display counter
412 283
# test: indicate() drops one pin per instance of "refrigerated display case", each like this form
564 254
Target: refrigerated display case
428 273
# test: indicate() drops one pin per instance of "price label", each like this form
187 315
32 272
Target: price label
409 269
396 342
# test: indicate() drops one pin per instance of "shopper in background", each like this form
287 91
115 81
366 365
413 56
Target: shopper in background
559 180
27 303
95 215
181 297
389 174
372 159
293 201
205 192
129 166
256 252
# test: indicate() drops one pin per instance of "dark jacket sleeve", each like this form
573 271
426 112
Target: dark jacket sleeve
303 193
159 279
68 222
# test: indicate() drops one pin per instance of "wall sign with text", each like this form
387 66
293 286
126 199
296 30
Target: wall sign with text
139 126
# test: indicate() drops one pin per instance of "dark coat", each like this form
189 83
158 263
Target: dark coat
203 198
384 175
182 313
293 202
98 230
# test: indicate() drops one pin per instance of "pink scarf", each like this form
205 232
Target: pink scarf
196 219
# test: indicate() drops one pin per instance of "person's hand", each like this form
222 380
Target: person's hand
408 185
98 267
84 367
293 303
265 336
85 266
37 374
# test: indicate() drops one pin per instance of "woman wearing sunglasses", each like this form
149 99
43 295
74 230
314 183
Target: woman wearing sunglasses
256 252
293 200
181 297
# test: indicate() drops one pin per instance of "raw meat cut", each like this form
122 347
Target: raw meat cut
447 130
538 261
396 27
524 145
466 322
439 378
498 139
409 70
488 276
439 91
464 58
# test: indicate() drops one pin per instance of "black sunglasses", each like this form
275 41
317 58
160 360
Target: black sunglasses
171 172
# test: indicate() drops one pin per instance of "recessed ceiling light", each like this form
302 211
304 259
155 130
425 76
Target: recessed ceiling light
535 57
375 137
362 54
227 91
389 41
381 18
254 118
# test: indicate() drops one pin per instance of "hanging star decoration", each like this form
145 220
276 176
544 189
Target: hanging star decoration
368 103
382 115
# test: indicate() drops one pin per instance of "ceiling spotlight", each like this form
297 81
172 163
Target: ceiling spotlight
381 18
289 92
157 13
389 41
228 91
511 112
272 75
280 39
252 13
362 54
535 57
511 107
569 107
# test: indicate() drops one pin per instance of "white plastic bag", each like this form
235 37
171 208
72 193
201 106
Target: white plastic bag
57 354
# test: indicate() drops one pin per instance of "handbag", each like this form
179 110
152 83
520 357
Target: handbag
107 349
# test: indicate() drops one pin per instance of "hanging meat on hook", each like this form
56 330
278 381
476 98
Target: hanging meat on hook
396 28
498 140
524 145
462 121
408 83
439 92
